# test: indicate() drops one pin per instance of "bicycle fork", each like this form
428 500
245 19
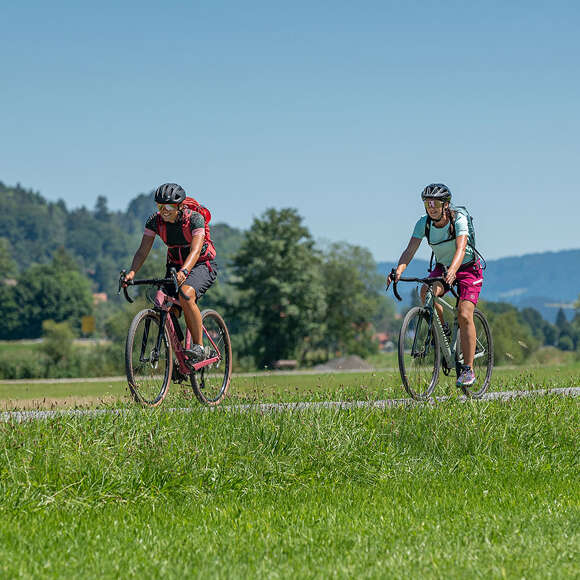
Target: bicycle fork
154 356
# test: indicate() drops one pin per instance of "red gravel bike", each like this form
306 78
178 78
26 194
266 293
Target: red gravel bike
155 352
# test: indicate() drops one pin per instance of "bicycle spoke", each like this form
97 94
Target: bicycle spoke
148 371
483 358
419 354
211 382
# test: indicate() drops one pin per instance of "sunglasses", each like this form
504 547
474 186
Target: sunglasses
167 206
433 204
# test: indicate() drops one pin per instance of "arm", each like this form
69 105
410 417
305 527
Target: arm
140 255
460 246
405 258
194 252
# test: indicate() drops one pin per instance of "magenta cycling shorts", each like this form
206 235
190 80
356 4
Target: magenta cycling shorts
469 279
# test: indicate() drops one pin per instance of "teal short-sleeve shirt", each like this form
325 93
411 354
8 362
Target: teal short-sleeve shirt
445 251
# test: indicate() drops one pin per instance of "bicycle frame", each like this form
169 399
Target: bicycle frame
448 348
163 304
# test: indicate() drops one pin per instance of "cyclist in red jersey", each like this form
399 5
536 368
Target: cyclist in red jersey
194 260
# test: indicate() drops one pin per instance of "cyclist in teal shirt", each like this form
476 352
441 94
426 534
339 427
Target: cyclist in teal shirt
448 237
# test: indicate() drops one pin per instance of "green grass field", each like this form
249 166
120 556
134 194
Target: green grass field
273 387
475 490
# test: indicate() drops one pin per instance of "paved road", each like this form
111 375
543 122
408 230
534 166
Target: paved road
20 416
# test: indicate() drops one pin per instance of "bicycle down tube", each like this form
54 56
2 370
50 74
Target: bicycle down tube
160 301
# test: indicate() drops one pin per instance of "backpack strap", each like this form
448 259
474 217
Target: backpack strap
210 251
451 237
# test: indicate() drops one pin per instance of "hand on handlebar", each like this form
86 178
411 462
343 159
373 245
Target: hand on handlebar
393 276
127 278
181 277
450 275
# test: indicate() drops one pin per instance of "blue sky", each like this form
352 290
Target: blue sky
343 110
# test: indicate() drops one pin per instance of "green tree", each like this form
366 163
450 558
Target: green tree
351 284
561 321
567 333
386 319
282 295
58 340
227 241
513 341
541 329
55 291
8 267
10 312
140 208
101 210
565 342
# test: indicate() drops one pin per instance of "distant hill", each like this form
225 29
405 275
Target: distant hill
545 281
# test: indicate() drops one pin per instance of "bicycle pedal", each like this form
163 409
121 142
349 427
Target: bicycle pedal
195 354
177 376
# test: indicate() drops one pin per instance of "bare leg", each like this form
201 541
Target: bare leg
467 330
191 313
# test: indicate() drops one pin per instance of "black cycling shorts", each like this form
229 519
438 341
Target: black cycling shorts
201 277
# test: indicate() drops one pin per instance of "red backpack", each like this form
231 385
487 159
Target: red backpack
190 204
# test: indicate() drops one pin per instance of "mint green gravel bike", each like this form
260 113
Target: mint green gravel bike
425 349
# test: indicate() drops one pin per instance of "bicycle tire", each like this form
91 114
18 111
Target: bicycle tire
210 383
419 354
148 379
483 360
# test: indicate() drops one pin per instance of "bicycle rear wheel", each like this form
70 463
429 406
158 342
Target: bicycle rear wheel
210 384
419 354
148 371
483 359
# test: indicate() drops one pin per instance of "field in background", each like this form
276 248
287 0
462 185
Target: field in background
486 490
272 387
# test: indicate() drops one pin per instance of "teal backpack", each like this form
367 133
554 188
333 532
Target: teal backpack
458 209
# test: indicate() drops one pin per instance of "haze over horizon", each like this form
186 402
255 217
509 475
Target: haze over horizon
342 111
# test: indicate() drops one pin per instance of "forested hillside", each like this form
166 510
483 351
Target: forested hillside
283 296
101 241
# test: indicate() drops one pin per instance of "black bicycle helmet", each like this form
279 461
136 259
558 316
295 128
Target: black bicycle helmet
169 193
436 191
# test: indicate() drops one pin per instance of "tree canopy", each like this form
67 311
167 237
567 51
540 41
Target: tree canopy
279 277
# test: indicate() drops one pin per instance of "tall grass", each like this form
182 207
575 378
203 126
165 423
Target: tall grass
455 490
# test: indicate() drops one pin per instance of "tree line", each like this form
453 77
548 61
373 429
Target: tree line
284 295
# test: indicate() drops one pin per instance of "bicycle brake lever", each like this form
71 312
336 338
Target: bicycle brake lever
173 274
178 289
449 286
395 282
121 279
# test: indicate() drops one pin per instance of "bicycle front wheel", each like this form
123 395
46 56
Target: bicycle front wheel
148 369
210 384
419 354
483 359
